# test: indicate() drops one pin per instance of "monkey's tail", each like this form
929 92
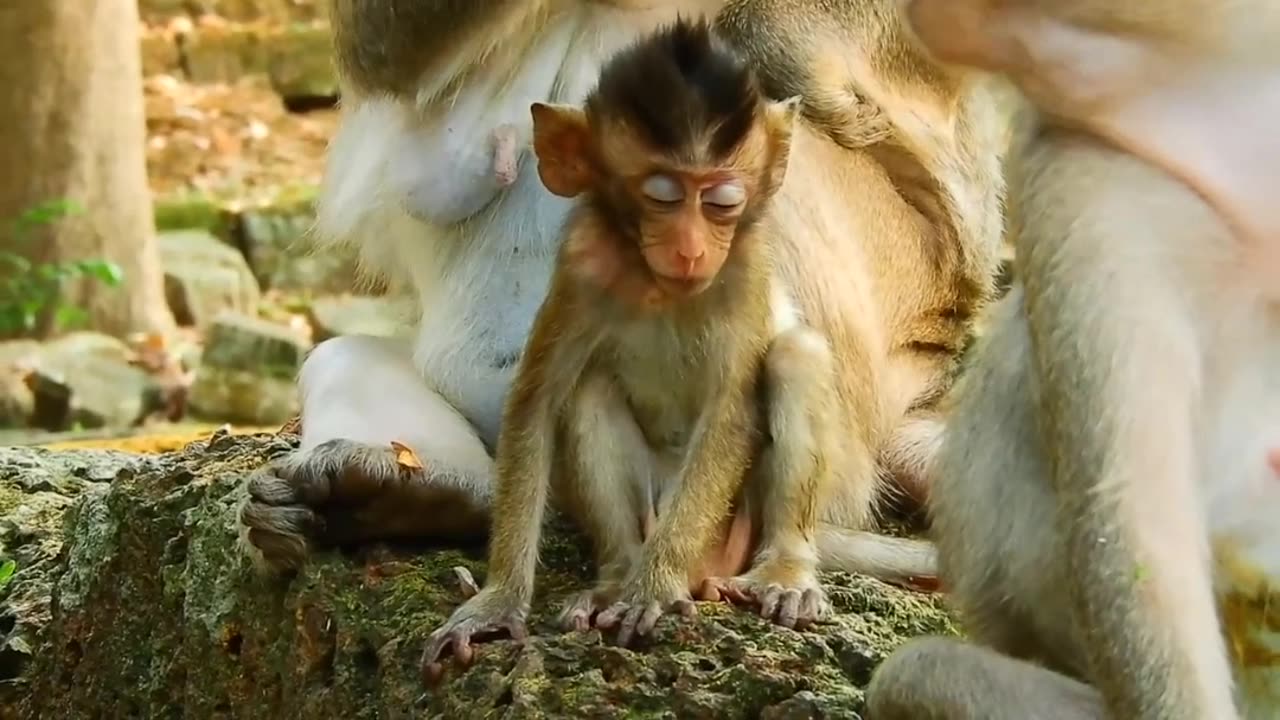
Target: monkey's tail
900 561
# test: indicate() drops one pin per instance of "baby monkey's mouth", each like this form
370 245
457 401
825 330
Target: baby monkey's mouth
681 287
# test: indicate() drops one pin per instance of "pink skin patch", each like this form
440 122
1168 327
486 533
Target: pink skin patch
505 155
1273 460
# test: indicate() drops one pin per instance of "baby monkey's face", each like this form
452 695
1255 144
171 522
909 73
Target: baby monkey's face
687 222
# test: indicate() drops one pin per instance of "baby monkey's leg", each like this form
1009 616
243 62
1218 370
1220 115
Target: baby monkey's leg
604 489
793 476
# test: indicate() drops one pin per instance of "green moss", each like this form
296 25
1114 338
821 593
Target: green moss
192 212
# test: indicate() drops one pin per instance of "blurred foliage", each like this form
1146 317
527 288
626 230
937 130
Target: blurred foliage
29 289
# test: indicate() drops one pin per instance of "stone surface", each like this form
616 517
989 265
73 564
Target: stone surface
84 379
246 373
335 315
143 607
223 53
204 276
275 240
160 53
36 489
17 403
239 10
300 62
297 58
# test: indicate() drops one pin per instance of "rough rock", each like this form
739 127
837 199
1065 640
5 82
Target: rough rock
160 53
17 403
297 58
223 53
204 276
356 315
240 10
36 489
85 379
246 372
144 608
300 62
275 240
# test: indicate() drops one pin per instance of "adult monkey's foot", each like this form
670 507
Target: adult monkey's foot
342 491
352 481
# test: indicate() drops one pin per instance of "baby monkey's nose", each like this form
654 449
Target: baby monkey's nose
687 260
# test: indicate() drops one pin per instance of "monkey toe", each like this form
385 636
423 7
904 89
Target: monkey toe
280 553
484 616
722 590
466 582
796 602
770 598
578 611
813 608
630 627
279 534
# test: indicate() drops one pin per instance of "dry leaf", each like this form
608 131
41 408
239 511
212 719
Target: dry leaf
292 427
406 457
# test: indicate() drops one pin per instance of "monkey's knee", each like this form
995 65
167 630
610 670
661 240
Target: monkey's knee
909 683
334 362
799 358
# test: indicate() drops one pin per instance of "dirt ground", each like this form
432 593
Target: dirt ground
236 142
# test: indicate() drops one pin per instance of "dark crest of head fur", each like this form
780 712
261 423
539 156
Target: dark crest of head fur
679 82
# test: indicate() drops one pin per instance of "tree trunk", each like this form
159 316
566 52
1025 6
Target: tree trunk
73 128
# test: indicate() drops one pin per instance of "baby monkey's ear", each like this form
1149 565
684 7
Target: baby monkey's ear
562 142
779 124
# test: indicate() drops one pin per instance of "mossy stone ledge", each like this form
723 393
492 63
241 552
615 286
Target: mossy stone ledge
132 600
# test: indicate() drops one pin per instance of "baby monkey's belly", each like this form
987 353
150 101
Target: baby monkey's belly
735 540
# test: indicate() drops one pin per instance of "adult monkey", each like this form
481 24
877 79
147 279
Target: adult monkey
1109 482
424 177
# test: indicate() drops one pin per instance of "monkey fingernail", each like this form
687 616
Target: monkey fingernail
432 674
466 581
462 651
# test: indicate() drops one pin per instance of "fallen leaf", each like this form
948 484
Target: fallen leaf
293 426
406 457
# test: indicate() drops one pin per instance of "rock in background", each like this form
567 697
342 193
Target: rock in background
247 372
141 606
204 276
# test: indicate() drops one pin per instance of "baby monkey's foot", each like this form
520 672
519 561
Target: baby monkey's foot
486 615
506 154
581 608
785 594
641 603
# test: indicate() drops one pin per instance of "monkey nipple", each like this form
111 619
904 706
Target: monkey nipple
506 155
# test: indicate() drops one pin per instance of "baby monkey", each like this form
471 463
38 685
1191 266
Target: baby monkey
666 367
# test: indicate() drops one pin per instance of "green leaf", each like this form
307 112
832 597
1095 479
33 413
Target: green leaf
68 316
105 271
47 212
17 262
7 569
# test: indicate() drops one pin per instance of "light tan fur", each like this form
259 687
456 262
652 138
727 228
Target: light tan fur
1103 503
